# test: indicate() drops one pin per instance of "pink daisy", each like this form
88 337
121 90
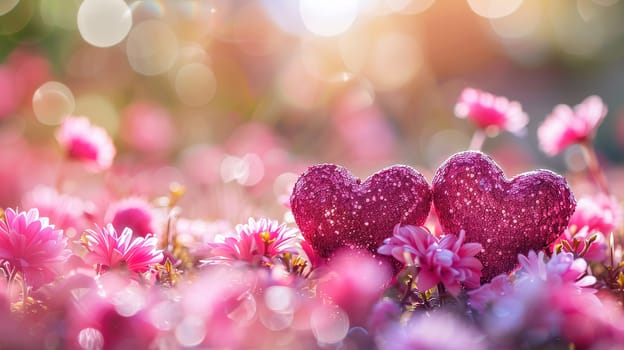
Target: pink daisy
566 126
599 212
559 269
31 245
256 242
134 213
65 211
486 295
85 142
491 112
449 261
107 249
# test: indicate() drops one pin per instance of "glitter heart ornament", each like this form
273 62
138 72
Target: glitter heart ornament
334 209
508 217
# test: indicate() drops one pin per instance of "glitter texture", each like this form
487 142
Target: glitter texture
508 217
334 209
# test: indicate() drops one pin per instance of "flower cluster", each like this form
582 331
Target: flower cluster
449 260
123 265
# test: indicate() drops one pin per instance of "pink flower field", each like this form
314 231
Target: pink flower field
311 174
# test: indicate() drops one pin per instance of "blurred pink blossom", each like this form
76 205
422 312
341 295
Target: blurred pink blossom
599 212
134 213
85 142
560 268
483 297
64 211
491 112
148 128
31 245
449 260
9 99
565 126
354 280
597 249
435 331
256 242
106 248
31 70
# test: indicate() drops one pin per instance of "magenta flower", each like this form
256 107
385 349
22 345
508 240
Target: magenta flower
449 261
134 213
565 126
86 143
491 112
31 245
256 242
107 249
599 213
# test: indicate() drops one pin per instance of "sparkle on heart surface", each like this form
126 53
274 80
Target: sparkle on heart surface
508 217
334 209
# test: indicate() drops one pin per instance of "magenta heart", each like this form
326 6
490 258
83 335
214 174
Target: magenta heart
508 217
334 209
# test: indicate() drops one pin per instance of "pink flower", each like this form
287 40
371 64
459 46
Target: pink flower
64 211
134 213
483 297
578 240
86 143
256 242
110 250
148 128
9 95
448 261
565 126
561 268
491 112
31 245
600 212
432 331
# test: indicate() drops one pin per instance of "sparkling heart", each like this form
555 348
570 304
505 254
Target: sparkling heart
508 217
334 209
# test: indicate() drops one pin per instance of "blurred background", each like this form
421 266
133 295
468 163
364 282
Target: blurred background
234 98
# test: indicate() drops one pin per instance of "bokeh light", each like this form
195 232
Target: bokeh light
328 17
52 102
494 8
191 331
104 23
195 84
330 324
99 110
409 6
7 5
17 16
521 23
152 47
